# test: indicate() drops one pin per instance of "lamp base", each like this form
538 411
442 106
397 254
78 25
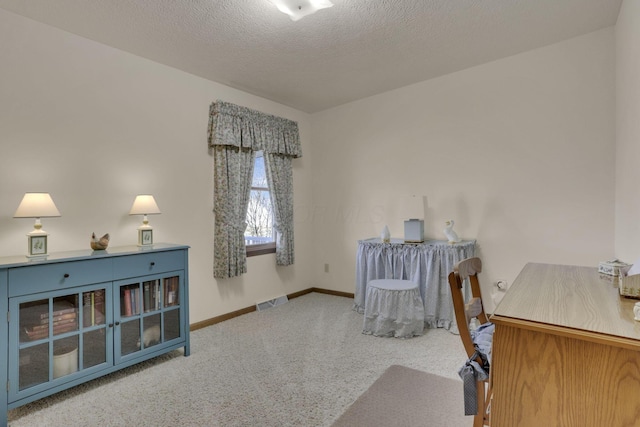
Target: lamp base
145 235
37 244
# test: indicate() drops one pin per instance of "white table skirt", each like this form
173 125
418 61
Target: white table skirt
428 264
393 309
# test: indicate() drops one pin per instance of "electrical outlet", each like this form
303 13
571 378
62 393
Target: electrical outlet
326 268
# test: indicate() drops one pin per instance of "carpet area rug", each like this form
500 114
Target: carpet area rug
405 397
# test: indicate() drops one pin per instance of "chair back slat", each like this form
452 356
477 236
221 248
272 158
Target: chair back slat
468 267
473 308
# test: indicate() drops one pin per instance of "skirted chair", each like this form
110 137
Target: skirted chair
393 308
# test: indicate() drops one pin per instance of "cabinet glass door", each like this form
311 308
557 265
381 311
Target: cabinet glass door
150 313
56 336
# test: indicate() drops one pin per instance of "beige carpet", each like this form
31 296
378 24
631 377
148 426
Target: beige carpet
404 397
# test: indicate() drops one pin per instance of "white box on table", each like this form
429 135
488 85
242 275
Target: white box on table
612 267
629 286
414 231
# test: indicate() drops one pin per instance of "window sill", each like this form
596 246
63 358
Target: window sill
262 249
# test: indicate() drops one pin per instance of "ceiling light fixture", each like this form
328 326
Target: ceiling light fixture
297 9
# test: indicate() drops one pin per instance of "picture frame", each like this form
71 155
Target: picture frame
37 245
145 237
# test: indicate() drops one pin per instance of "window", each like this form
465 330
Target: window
259 236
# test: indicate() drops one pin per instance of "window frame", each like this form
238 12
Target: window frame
261 249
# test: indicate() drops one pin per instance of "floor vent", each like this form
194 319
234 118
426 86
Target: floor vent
271 303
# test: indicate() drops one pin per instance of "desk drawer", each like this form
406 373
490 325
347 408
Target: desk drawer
144 264
49 277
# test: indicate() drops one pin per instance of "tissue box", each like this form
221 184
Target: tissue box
414 231
629 286
612 268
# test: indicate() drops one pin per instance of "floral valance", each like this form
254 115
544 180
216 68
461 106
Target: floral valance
238 126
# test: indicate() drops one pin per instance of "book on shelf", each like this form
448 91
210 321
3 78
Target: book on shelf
151 297
146 289
45 326
86 308
98 307
171 291
34 334
42 331
130 304
135 301
136 306
57 318
127 302
145 292
93 308
59 312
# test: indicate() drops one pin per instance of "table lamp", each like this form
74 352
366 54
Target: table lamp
414 227
37 205
144 204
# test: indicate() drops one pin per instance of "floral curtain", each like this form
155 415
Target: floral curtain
280 180
233 171
235 134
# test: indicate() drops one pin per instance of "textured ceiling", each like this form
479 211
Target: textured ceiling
355 49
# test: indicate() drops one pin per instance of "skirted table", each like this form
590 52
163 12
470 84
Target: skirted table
393 309
428 264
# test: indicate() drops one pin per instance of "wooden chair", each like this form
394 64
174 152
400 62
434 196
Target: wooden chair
469 268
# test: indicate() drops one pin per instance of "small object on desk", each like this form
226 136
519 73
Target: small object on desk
629 286
611 267
385 236
452 237
629 280
636 311
99 244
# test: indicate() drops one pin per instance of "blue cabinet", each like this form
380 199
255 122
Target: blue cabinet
79 315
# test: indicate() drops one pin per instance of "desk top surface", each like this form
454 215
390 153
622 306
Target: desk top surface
572 297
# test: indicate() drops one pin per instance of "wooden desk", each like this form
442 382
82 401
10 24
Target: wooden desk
566 351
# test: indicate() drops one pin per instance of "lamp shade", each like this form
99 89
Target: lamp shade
297 9
144 204
36 205
413 206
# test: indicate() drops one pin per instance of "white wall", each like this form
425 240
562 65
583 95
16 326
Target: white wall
519 152
627 217
95 126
